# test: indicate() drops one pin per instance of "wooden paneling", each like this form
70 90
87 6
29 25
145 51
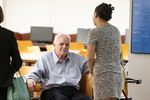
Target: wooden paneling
26 36
17 35
122 39
73 37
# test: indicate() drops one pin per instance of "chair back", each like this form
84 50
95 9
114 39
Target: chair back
83 52
33 49
124 56
49 47
86 86
125 49
76 46
23 44
24 70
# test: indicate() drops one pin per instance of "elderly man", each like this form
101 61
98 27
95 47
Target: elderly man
59 72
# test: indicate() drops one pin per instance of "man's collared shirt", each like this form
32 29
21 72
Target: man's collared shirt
51 72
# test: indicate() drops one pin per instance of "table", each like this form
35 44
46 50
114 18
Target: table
33 57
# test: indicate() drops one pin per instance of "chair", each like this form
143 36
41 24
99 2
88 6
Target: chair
124 56
33 49
128 80
85 82
86 86
125 49
83 52
125 86
76 46
22 47
24 70
49 47
23 44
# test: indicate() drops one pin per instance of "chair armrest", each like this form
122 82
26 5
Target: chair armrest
37 88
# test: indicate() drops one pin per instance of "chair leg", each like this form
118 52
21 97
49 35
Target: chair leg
125 95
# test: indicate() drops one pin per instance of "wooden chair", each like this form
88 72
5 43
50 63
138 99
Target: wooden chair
23 44
86 86
32 49
85 82
126 75
125 49
22 47
24 70
49 47
76 46
83 52
124 57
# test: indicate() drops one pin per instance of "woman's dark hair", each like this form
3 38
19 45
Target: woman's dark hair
104 11
1 15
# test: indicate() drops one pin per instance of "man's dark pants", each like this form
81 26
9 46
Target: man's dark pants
63 93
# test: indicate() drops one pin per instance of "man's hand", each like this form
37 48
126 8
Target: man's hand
31 84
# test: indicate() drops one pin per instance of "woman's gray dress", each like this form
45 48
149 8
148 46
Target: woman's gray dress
107 71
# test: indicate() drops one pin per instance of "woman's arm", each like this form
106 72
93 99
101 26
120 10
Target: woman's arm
16 59
90 57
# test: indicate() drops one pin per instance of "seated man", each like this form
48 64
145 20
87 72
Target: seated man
59 72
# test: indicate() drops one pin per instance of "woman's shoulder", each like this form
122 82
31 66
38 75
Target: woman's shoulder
6 33
5 29
93 30
114 27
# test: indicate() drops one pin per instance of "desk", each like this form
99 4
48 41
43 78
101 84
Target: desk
33 57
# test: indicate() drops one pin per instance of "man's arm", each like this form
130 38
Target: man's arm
35 75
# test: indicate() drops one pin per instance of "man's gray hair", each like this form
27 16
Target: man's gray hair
59 35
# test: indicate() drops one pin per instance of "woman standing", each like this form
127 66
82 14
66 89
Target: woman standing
8 48
104 40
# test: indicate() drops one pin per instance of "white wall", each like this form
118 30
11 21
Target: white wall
139 68
64 15
1 3
22 14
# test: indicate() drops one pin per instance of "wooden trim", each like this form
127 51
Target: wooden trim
26 36
17 35
122 39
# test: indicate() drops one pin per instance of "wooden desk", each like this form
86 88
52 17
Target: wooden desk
33 57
